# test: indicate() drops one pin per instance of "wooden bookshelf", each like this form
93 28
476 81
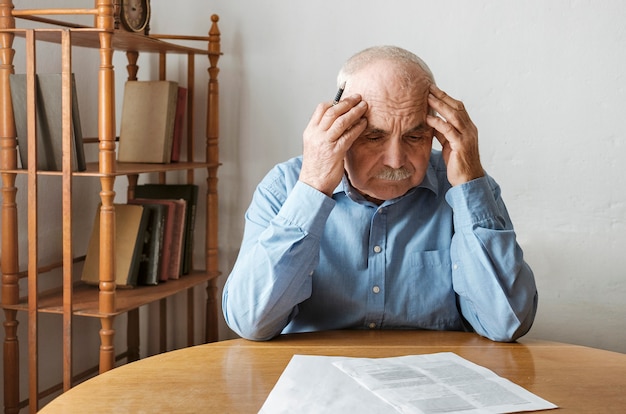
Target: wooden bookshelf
71 299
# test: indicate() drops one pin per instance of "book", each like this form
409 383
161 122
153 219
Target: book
49 122
171 248
178 238
147 123
131 222
179 123
152 250
187 192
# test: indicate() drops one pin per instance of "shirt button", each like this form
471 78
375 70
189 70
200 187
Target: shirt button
372 325
376 289
455 266
378 249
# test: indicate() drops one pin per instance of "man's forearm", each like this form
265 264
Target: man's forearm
279 253
264 289
496 287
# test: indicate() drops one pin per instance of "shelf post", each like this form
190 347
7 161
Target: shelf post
33 226
68 250
106 160
212 157
10 262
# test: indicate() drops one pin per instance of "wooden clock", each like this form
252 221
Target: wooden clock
134 15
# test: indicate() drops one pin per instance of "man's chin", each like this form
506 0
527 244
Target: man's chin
389 192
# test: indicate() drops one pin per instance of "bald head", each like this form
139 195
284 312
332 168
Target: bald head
411 66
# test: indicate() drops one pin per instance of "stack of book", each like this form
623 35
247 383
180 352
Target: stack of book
153 236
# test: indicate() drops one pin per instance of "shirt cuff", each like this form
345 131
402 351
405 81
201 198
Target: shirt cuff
474 202
307 208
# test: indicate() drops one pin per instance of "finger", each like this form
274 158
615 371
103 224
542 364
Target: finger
326 113
333 112
319 113
447 99
347 121
455 115
444 103
446 107
442 139
443 129
346 139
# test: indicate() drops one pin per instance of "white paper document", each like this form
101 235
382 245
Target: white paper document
421 384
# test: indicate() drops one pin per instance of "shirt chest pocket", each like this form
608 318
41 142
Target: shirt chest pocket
437 260
429 299
430 274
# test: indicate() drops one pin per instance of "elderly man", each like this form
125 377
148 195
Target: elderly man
373 229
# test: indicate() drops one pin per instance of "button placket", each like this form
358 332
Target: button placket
376 269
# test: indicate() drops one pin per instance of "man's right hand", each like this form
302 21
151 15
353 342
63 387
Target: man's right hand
326 139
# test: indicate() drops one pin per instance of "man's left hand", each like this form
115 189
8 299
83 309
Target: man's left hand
458 137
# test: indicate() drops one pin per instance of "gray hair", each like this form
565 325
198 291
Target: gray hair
390 53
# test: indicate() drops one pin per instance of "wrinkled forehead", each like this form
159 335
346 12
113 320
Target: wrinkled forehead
390 86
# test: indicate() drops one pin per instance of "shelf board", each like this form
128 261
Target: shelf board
126 168
85 297
121 40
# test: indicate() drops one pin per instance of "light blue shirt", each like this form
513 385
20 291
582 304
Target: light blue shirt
439 257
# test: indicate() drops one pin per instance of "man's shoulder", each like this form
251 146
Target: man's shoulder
291 166
283 175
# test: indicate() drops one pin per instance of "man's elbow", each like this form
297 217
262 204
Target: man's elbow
248 329
514 329
254 335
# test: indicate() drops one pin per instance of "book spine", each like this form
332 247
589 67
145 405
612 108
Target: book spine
133 273
178 233
179 120
191 222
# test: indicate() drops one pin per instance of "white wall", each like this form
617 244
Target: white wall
543 80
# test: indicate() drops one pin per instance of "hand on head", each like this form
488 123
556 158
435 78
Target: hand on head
458 137
326 139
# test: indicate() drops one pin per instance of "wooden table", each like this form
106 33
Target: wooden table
236 376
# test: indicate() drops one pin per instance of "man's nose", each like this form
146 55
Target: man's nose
395 154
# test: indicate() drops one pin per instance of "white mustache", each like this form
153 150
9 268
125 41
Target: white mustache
393 174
